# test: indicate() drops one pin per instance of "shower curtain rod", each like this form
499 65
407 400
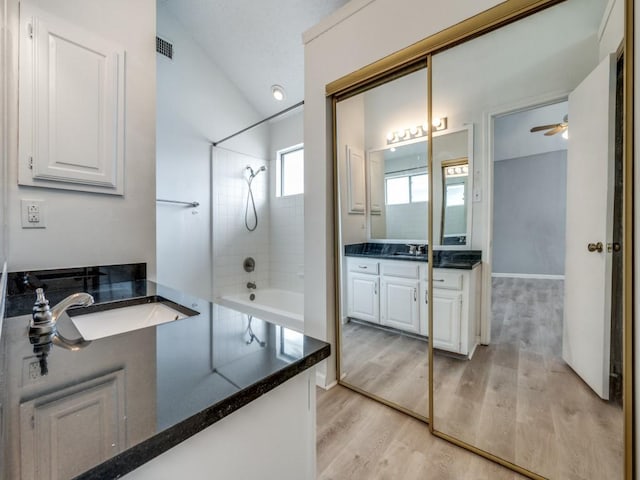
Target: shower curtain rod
282 112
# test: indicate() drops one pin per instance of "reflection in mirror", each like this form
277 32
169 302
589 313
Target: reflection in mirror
382 329
543 391
397 187
455 186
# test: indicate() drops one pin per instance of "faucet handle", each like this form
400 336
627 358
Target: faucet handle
41 311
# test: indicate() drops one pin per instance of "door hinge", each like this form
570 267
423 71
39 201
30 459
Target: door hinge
31 163
30 30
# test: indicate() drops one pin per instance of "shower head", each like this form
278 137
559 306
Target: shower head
253 173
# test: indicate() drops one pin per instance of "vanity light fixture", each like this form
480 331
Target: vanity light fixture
457 171
278 92
417 131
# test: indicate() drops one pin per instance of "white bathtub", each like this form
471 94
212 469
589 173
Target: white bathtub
277 306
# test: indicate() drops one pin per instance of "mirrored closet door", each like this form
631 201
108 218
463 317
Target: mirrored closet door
509 334
543 389
383 187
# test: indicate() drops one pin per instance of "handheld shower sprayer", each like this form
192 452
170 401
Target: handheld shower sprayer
252 174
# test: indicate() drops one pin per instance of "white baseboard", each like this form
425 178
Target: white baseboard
528 275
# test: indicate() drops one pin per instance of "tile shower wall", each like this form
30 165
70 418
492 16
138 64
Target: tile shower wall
287 242
232 242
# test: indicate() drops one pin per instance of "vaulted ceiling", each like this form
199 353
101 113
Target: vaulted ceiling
257 43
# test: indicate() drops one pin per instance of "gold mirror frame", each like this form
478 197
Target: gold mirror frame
404 61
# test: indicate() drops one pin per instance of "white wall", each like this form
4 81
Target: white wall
286 238
83 228
197 104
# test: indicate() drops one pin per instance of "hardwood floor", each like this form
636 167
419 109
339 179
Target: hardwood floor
360 439
387 364
516 398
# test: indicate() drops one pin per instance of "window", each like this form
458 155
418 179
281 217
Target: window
290 171
455 195
407 189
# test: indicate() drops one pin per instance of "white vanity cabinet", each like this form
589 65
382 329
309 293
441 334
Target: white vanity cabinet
363 289
393 293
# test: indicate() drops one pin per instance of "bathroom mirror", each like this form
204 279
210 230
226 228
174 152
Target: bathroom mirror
383 191
397 180
543 391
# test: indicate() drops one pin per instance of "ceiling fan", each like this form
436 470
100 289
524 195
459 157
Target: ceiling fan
553 128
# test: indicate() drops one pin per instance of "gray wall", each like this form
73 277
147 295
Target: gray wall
529 203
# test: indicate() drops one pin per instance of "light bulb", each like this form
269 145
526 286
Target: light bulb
413 131
436 122
390 136
565 134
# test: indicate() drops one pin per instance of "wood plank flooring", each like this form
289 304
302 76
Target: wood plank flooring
360 439
387 364
516 398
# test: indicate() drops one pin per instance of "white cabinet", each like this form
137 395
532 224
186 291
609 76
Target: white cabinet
456 309
363 297
363 289
400 292
399 304
356 183
447 307
71 106
394 293
87 419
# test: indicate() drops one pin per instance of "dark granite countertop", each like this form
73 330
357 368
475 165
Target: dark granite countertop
456 259
172 380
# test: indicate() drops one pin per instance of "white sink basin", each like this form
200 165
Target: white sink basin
106 323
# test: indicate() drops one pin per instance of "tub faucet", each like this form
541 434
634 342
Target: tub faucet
251 285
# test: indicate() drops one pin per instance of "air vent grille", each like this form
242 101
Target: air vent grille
164 48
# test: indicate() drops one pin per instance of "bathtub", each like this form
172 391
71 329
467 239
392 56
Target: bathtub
276 306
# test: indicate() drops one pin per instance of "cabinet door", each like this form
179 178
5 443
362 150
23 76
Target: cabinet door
447 307
71 133
364 301
400 304
88 419
356 184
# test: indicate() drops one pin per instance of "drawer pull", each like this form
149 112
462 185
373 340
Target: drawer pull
362 266
438 279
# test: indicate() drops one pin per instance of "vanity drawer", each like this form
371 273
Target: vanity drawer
395 268
363 266
447 279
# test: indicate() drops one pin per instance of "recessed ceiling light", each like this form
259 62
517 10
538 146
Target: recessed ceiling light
278 92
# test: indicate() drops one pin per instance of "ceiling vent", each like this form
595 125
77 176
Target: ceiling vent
164 48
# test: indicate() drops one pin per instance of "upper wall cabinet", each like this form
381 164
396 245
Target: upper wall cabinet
71 130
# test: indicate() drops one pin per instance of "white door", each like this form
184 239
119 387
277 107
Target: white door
590 158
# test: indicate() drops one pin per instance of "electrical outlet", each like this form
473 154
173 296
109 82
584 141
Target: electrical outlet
30 371
33 214
34 370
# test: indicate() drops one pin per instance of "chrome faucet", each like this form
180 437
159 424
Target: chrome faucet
44 319
251 285
42 328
